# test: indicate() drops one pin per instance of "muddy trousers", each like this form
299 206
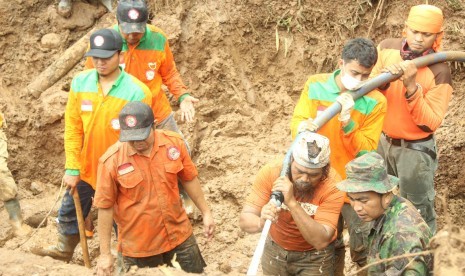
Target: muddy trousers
279 261
187 255
415 164
8 187
67 219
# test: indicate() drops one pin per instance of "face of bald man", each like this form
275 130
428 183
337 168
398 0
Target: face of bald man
419 42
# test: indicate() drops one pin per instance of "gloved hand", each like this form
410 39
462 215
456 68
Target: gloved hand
307 125
347 103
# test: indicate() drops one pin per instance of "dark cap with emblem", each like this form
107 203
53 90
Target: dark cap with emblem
104 43
135 120
132 16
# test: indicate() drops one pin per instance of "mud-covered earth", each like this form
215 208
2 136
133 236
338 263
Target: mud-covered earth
247 62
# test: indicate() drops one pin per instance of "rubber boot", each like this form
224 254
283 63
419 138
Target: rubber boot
62 251
16 219
65 8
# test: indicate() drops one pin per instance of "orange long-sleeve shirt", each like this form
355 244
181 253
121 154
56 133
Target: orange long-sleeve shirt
152 62
421 114
91 119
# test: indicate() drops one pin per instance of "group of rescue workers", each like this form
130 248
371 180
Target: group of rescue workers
125 155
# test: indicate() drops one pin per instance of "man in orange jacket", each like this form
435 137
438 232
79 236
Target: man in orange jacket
417 104
148 57
91 126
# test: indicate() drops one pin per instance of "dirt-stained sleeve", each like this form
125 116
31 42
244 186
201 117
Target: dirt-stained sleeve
301 111
106 191
74 131
260 191
428 108
331 203
189 171
361 138
170 75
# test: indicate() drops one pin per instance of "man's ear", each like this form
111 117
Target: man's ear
121 57
340 63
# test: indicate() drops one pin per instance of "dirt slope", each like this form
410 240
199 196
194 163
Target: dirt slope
227 54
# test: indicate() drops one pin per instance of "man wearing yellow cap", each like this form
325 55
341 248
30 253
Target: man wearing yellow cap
417 104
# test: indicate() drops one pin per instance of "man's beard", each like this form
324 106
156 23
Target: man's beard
303 190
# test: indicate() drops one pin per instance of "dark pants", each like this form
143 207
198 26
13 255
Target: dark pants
279 261
187 255
67 219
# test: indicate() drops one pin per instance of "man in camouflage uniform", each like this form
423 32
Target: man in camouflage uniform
397 227
8 188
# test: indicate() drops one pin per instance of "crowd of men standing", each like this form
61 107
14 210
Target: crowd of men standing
126 156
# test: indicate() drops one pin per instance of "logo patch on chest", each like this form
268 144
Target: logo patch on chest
173 153
125 168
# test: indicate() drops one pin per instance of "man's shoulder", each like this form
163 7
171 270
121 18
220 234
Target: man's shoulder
324 77
391 44
168 137
155 39
377 96
111 151
403 219
85 80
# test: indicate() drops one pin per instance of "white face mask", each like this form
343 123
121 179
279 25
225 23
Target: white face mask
348 81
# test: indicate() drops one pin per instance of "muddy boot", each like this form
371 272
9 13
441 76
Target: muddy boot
16 219
62 251
64 8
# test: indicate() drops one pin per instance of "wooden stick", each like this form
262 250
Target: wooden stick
82 232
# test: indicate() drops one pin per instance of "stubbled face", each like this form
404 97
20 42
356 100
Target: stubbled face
142 147
419 42
106 66
132 38
367 205
354 69
305 180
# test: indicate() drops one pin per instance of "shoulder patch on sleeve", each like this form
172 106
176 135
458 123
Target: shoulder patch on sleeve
110 151
170 133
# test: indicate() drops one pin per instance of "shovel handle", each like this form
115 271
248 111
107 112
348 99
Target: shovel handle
82 233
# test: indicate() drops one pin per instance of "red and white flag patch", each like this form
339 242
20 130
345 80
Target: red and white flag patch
86 105
125 168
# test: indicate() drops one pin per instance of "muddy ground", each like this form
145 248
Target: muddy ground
247 61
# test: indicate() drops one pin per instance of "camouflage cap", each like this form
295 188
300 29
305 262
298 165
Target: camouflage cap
311 150
367 173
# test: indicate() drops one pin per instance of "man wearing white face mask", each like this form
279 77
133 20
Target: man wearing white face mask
354 132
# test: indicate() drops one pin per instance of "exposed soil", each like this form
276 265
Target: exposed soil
227 54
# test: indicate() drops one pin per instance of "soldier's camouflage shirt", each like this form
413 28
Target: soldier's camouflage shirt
398 231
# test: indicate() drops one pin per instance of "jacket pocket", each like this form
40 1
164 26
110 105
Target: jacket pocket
131 186
171 172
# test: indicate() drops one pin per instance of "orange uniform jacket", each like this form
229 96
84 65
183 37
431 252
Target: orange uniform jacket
327 198
421 114
91 119
362 133
152 62
144 192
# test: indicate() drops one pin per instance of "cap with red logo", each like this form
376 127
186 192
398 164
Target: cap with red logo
104 43
135 119
132 16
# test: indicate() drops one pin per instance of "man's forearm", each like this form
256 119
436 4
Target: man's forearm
313 232
195 192
105 223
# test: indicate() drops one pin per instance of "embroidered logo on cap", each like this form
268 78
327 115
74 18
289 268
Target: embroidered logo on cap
173 153
133 14
130 121
99 40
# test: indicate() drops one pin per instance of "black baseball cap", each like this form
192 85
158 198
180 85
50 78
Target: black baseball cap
135 120
132 16
104 43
